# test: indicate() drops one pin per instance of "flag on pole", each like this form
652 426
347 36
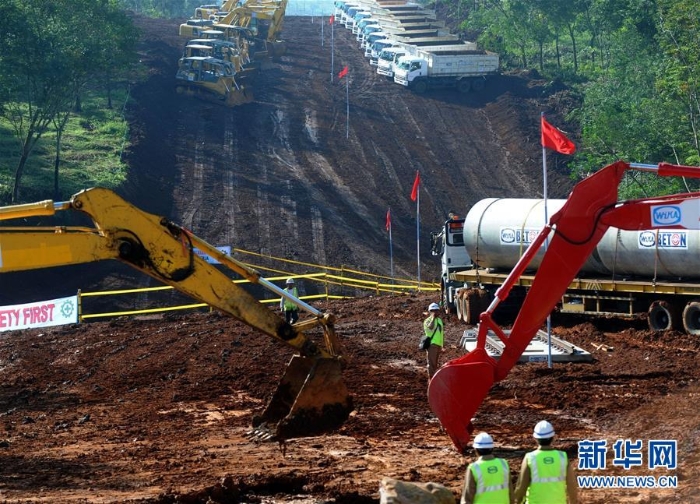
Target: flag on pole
416 184
343 72
331 19
554 139
388 219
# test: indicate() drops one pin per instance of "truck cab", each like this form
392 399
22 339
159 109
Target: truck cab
448 243
408 68
377 47
388 57
373 38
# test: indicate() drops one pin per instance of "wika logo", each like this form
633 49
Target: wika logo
665 215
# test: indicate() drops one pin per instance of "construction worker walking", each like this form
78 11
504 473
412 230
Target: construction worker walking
488 478
545 474
434 328
291 311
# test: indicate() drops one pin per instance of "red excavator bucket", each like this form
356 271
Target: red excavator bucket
457 390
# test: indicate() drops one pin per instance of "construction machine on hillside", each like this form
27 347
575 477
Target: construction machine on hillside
211 79
311 397
265 21
459 387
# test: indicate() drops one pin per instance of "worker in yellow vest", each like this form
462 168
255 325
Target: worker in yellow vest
488 478
290 310
545 474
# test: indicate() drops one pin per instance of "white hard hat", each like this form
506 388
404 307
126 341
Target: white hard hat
433 306
543 430
483 441
290 280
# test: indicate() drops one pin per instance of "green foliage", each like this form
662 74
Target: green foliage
92 153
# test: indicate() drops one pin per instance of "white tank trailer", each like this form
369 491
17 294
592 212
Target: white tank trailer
657 271
498 230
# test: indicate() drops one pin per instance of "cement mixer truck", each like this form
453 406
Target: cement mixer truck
653 272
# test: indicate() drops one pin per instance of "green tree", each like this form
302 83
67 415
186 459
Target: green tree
57 49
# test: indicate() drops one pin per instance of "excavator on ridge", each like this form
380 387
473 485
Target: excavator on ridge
311 397
458 389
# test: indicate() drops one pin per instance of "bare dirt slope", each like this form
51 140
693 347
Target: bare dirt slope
285 176
156 410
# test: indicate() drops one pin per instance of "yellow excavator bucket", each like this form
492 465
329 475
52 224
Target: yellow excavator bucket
311 398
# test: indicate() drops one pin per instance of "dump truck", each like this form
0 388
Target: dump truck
564 245
654 274
389 57
463 70
311 397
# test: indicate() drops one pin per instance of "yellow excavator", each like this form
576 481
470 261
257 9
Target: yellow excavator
265 19
311 397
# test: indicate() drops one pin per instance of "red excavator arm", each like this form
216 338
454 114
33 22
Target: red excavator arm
458 388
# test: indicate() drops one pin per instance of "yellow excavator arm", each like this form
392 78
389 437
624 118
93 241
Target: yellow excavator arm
160 248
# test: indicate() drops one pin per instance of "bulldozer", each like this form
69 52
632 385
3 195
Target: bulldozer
211 79
458 388
311 397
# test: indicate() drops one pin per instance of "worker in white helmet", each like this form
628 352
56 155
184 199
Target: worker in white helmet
487 480
546 477
290 310
434 328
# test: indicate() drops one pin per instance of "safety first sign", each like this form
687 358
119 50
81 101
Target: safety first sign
40 314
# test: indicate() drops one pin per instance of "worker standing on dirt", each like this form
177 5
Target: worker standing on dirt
291 311
434 328
488 478
545 475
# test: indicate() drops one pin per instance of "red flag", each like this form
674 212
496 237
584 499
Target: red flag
343 72
416 183
554 139
388 219
331 19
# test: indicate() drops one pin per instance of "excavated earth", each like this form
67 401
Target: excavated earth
156 409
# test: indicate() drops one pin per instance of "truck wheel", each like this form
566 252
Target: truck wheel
420 87
662 316
691 318
459 306
478 85
464 86
475 301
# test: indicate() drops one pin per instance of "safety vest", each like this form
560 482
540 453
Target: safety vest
288 305
491 477
547 477
436 333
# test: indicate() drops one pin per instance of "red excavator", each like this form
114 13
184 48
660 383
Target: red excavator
459 387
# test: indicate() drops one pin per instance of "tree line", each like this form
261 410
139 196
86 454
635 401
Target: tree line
52 52
633 64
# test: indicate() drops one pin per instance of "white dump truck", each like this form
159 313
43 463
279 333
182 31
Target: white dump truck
461 69
389 56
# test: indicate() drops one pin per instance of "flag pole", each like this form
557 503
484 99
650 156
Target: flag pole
332 18
391 245
347 107
546 241
418 232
